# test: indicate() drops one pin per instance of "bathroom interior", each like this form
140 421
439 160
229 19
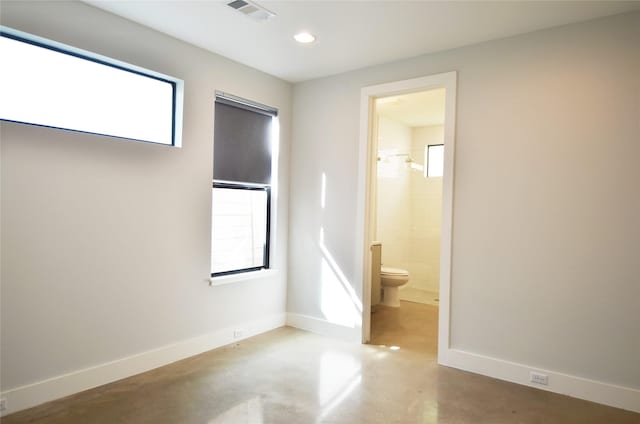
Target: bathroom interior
407 211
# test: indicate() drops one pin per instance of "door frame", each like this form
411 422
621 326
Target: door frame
367 177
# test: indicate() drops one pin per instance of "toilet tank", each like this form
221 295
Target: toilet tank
376 263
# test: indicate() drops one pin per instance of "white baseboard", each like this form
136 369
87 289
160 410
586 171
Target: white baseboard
323 327
578 387
64 385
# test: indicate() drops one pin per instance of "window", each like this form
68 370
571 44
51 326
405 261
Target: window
240 228
50 84
434 158
241 196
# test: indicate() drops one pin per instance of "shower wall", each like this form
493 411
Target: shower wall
393 209
408 205
425 215
408 210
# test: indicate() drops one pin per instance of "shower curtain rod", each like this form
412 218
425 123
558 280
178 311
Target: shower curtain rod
395 155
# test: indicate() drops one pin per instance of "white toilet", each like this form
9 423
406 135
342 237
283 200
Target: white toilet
391 279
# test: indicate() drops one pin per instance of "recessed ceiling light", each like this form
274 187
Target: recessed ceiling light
304 37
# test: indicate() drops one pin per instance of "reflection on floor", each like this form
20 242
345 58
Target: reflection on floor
289 376
412 326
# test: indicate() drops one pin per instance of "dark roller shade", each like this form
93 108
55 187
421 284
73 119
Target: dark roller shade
241 145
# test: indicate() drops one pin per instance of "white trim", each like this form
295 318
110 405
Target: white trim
243 276
322 327
366 187
578 387
64 385
367 182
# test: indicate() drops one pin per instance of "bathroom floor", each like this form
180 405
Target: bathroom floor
412 326
420 296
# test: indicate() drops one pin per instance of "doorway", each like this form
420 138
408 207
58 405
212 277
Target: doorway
368 187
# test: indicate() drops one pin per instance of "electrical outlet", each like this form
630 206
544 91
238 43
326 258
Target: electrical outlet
3 404
539 378
237 334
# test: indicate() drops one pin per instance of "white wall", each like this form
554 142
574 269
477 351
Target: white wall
393 201
546 229
426 215
105 242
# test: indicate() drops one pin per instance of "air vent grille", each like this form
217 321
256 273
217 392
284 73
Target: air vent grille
252 10
237 4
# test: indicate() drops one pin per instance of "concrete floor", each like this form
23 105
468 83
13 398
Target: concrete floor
289 376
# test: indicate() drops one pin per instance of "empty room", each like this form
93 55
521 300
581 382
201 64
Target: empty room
319 212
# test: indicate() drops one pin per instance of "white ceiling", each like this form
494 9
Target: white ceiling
415 109
350 34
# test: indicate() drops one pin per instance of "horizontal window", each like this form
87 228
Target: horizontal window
240 230
50 84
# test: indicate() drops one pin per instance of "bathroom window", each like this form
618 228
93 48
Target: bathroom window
49 84
241 196
434 158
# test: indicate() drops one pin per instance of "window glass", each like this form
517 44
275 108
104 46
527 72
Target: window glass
435 160
239 230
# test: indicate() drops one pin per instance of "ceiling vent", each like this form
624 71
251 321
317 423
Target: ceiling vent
252 10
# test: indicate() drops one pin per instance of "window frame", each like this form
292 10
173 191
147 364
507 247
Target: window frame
177 85
267 249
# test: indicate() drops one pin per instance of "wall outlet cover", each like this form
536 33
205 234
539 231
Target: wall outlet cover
539 378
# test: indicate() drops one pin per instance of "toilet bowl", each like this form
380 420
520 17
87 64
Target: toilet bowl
391 279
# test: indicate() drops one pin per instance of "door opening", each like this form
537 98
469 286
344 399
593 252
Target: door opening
413 158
